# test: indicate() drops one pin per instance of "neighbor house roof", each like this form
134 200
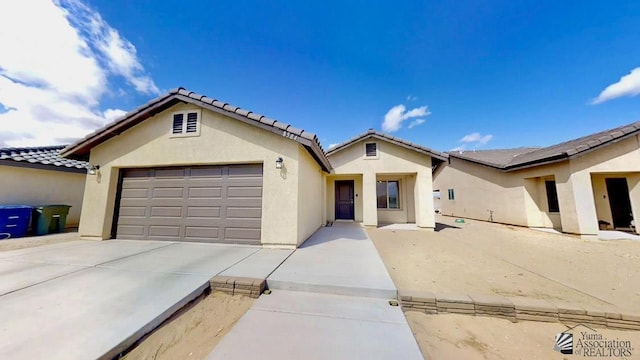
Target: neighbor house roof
81 148
372 134
42 157
521 158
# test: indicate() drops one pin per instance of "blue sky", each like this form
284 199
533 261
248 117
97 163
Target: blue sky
497 74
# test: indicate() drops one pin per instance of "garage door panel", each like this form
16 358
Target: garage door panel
207 171
244 191
204 212
251 170
168 193
205 192
207 203
239 212
131 230
238 233
135 193
133 174
139 211
169 173
164 230
243 223
166 211
195 232
166 183
245 202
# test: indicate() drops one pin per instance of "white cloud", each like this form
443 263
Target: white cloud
57 59
333 145
398 114
412 98
415 123
476 138
628 85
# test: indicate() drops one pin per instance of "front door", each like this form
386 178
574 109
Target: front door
344 200
618 191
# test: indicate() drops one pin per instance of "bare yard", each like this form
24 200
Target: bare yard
484 258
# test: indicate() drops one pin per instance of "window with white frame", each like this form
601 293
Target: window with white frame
186 123
388 194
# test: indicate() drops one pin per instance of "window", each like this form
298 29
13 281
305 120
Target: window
186 123
452 196
371 150
552 196
388 194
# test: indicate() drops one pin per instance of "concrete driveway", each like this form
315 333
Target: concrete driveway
94 299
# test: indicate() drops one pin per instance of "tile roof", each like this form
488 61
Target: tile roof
382 136
41 157
527 157
81 148
497 158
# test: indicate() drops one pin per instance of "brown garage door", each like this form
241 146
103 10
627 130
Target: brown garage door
204 203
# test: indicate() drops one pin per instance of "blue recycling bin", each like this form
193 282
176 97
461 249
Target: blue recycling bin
14 220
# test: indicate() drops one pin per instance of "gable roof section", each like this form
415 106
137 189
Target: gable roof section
81 148
523 158
372 134
43 157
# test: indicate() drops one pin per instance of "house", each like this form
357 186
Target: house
578 186
40 176
377 178
188 167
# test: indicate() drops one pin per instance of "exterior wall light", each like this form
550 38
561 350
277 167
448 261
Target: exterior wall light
279 162
93 169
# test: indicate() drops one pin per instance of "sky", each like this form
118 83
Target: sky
463 75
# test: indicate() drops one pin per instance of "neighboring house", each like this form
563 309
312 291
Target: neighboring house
578 186
192 168
40 176
377 178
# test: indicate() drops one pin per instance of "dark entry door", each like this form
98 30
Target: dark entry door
618 191
344 200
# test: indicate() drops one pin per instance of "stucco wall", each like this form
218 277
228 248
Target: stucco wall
24 186
311 187
222 140
393 162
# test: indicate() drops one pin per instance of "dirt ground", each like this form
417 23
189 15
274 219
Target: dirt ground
486 258
31 241
452 336
193 332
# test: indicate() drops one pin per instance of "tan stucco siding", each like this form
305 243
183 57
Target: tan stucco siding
412 168
478 190
24 186
311 197
222 140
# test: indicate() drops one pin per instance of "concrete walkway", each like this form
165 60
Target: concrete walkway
341 260
94 299
340 310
